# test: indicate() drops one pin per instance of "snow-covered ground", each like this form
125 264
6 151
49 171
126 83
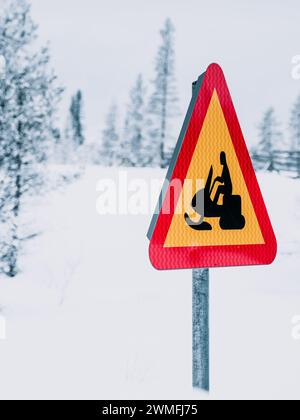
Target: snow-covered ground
88 317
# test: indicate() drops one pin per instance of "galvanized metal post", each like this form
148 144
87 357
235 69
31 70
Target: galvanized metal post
201 329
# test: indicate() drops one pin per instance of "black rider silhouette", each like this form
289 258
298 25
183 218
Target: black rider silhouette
226 188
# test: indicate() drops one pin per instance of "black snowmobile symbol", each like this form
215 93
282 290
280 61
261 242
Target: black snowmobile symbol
230 212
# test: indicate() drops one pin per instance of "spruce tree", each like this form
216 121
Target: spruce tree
269 138
295 126
28 100
136 150
110 151
68 146
76 119
295 133
163 102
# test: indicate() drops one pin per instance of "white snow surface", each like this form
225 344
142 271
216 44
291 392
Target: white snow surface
89 318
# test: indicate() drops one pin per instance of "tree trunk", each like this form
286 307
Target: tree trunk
17 194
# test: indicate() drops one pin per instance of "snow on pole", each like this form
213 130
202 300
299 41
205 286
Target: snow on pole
201 329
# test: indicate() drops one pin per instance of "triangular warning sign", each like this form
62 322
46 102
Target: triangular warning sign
211 212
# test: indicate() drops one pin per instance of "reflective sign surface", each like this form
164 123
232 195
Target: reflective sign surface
211 212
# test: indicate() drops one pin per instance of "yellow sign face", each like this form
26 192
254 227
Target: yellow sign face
216 167
211 212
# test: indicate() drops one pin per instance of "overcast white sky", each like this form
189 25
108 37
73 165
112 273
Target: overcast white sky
100 46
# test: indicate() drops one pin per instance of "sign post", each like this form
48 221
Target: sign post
211 212
201 329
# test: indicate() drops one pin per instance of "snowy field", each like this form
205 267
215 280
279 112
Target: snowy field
88 317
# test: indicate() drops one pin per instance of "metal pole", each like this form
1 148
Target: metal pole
201 329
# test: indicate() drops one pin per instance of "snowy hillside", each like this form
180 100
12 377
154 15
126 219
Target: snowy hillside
89 318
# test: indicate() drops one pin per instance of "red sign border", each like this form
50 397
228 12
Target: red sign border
213 256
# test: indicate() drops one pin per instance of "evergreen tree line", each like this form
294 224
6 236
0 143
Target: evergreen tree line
29 137
272 142
146 138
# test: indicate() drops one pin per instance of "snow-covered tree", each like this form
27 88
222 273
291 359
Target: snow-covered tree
110 150
270 137
136 147
69 150
28 100
295 126
163 106
76 119
295 132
